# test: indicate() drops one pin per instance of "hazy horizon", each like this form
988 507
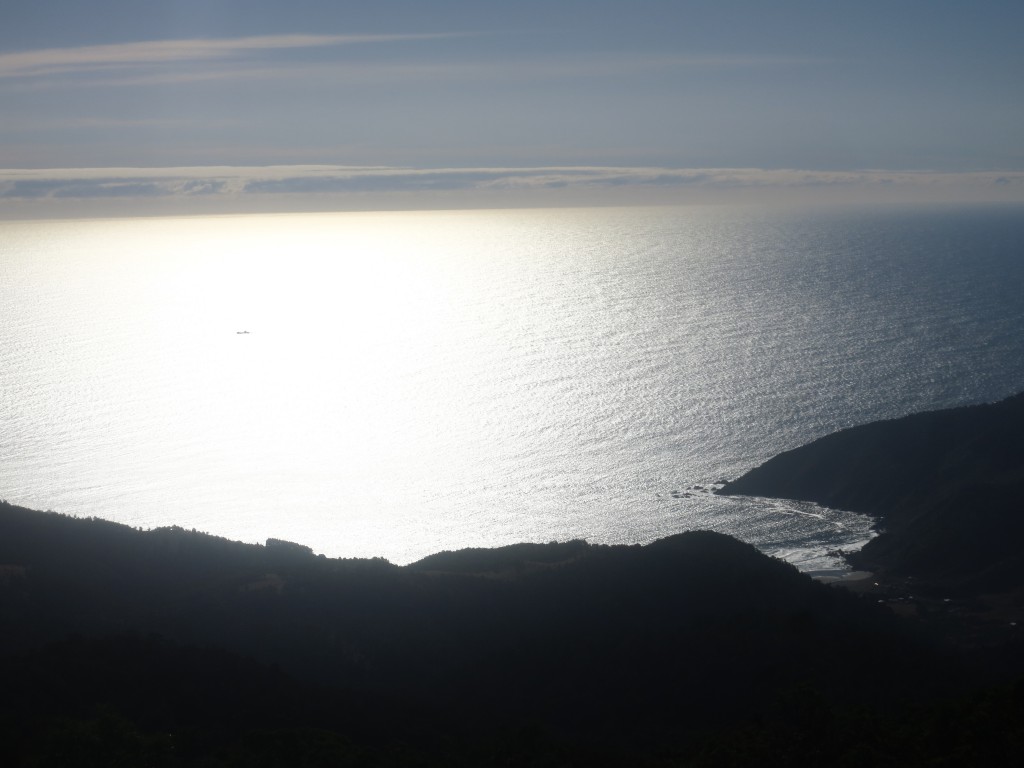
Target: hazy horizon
115 192
223 106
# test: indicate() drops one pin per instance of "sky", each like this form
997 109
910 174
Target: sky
226 104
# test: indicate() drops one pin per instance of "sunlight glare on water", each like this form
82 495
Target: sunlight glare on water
395 384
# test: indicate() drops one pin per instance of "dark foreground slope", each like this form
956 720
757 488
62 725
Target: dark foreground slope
946 486
180 648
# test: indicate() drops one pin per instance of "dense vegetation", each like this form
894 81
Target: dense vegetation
172 647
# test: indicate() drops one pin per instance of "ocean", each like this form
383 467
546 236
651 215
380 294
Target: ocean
397 384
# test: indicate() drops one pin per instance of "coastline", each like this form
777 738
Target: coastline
840 577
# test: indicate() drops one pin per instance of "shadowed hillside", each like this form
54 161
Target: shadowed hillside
946 486
172 647
170 638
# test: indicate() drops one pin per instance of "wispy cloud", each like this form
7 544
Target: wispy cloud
166 62
50 61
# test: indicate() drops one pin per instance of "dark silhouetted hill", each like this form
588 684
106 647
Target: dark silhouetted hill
946 486
175 643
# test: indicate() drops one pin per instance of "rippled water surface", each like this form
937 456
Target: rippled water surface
411 382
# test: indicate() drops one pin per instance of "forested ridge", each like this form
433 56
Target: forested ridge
174 647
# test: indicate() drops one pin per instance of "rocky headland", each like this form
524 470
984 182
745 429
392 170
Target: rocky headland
945 487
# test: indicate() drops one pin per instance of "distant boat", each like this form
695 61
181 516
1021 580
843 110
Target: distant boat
241 331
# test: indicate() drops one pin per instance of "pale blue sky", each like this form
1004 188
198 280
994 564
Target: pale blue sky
822 86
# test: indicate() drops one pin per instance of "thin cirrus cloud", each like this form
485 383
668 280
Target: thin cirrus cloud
154 62
52 61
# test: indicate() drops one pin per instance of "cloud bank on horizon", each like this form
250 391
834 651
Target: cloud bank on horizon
247 102
58 192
